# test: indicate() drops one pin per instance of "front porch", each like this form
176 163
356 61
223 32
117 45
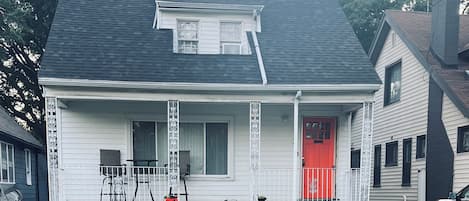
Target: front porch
238 150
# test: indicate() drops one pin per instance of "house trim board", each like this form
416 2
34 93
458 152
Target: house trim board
205 86
378 44
440 155
67 94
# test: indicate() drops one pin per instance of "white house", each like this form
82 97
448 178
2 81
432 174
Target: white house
422 110
230 100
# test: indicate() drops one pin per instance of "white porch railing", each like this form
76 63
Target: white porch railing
318 184
115 183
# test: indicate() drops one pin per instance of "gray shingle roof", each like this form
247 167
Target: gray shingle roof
9 127
302 42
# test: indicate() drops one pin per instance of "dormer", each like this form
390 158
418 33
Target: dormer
207 28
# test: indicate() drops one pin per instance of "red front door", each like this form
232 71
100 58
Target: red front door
318 154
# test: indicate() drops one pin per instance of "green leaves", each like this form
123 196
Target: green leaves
365 15
24 27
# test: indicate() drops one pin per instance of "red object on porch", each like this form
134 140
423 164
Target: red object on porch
319 157
171 199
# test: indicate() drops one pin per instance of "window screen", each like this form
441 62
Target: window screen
377 167
356 155
206 142
7 165
188 37
391 154
463 139
392 85
230 37
421 146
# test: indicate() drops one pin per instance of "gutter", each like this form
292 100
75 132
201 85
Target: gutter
63 82
260 61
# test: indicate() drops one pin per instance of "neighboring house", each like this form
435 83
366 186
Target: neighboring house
19 153
421 121
256 96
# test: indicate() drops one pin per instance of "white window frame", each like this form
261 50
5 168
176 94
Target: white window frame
28 160
192 119
178 41
13 180
232 42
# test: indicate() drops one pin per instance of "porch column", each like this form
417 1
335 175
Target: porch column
52 148
366 151
254 146
173 145
295 183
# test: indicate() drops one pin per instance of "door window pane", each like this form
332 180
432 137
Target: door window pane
217 148
144 143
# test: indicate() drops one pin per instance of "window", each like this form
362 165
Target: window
188 37
27 160
391 154
377 167
406 161
392 85
207 144
7 163
421 146
355 159
463 139
230 37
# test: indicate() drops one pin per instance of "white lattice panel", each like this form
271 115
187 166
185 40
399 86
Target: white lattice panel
173 144
52 148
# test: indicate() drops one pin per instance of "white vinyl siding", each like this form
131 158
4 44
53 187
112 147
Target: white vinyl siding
209 36
452 119
7 163
400 120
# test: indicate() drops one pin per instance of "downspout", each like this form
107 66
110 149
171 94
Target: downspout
260 61
295 144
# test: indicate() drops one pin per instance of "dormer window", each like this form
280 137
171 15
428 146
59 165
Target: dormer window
230 37
188 37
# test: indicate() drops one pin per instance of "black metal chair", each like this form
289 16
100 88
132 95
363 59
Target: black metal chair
141 173
113 172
